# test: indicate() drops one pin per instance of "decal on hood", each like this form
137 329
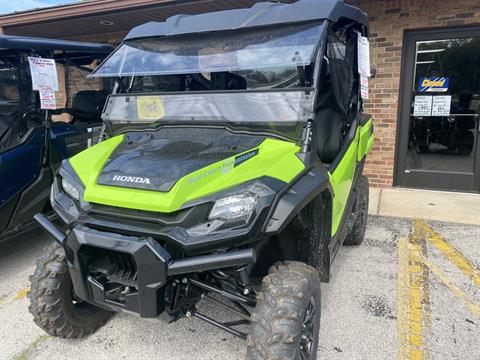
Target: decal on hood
240 159
131 179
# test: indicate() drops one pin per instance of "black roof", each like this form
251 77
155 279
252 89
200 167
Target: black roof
260 14
32 43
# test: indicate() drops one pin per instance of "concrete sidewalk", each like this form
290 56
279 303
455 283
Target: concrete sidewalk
462 208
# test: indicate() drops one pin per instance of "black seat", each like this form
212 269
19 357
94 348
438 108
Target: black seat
87 105
330 124
329 127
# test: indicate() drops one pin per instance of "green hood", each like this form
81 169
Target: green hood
165 169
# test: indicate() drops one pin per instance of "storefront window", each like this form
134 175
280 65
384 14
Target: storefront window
445 107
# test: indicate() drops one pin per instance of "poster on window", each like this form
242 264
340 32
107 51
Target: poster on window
43 73
422 105
363 56
441 105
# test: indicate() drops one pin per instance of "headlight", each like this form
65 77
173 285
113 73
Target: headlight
71 190
235 211
227 212
234 207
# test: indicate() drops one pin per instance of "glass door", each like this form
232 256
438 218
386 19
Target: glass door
440 111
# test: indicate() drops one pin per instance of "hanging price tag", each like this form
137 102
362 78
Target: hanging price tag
47 99
363 56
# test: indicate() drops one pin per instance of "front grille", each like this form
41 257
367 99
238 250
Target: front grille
108 267
142 223
132 214
124 271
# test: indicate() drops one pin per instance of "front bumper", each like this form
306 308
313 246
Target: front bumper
150 260
139 266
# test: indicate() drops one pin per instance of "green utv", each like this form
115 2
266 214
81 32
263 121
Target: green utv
231 171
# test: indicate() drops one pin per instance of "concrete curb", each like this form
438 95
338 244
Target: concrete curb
452 207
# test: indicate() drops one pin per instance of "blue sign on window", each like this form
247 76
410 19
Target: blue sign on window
433 84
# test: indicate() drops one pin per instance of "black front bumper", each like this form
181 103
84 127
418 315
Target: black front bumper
144 267
150 260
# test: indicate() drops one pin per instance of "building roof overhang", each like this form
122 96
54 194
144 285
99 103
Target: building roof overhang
94 18
77 9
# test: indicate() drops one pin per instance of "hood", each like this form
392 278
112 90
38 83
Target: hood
157 160
166 169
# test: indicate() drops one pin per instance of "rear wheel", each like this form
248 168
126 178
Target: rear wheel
360 208
53 303
286 320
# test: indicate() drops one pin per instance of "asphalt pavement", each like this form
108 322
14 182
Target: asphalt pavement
410 291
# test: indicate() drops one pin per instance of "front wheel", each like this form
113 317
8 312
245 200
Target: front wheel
286 319
53 303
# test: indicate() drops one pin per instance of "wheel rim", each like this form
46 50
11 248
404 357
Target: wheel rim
307 339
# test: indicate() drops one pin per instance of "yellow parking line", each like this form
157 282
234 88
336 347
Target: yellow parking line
473 307
411 297
454 255
402 301
415 276
413 292
22 293
18 296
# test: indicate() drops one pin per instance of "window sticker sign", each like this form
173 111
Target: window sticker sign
150 108
47 99
423 105
363 56
441 105
44 74
433 84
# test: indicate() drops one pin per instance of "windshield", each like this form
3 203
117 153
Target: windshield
285 106
280 111
292 45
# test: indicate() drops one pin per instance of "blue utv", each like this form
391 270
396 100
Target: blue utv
33 142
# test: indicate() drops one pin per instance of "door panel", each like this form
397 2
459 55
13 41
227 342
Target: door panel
342 180
68 140
438 145
20 166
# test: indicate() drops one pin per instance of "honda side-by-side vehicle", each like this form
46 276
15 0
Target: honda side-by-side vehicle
231 172
32 143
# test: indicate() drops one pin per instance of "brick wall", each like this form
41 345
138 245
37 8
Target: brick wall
389 19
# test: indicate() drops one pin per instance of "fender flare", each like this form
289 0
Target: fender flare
294 198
